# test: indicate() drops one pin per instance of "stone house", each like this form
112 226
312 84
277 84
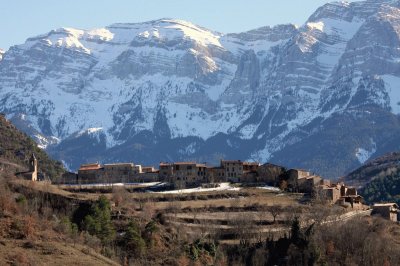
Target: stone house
250 173
340 194
215 174
165 171
109 173
183 173
294 175
250 166
249 177
270 174
119 172
302 181
149 174
388 211
190 172
90 173
329 193
148 177
353 201
233 169
307 184
148 169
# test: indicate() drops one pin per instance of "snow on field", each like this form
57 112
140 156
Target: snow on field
270 188
148 184
222 187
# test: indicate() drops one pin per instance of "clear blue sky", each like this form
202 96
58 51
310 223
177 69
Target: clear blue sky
20 19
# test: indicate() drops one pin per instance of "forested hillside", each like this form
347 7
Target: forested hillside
383 189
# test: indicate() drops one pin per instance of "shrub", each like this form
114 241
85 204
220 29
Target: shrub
133 240
98 222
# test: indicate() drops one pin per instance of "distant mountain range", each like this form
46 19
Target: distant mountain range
324 96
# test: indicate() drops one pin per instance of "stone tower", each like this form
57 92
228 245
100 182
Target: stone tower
33 167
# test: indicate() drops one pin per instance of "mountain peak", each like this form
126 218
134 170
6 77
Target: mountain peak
166 29
262 94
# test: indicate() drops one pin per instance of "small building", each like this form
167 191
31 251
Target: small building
90 173
215 174
339 194
388 211
308 183
148 177
233 169
250 166
183 173
270 174
119 172
189 172
148 174
148 169
302 181
166 171
32 173
329 193
137 169
355 201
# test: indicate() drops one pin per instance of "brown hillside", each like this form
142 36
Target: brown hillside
16 148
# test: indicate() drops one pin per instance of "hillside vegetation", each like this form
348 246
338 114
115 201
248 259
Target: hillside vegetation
378 168
383 189
16 148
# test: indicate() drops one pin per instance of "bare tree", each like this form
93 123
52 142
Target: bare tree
275 210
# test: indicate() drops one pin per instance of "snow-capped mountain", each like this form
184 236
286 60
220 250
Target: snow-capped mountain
1 54
324 96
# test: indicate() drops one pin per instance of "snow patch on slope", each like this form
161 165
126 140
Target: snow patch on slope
364 154
392 85
341 31
316 25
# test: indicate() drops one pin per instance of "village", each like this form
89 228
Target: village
234 203
191 174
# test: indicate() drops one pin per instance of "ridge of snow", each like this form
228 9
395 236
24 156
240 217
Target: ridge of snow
95 131
168 29
316 25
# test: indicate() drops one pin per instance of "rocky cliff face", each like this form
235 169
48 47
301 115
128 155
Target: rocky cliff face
324 96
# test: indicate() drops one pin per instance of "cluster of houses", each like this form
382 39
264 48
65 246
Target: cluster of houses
186 174
179 173
183 174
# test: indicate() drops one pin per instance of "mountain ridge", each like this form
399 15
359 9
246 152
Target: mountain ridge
150 88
